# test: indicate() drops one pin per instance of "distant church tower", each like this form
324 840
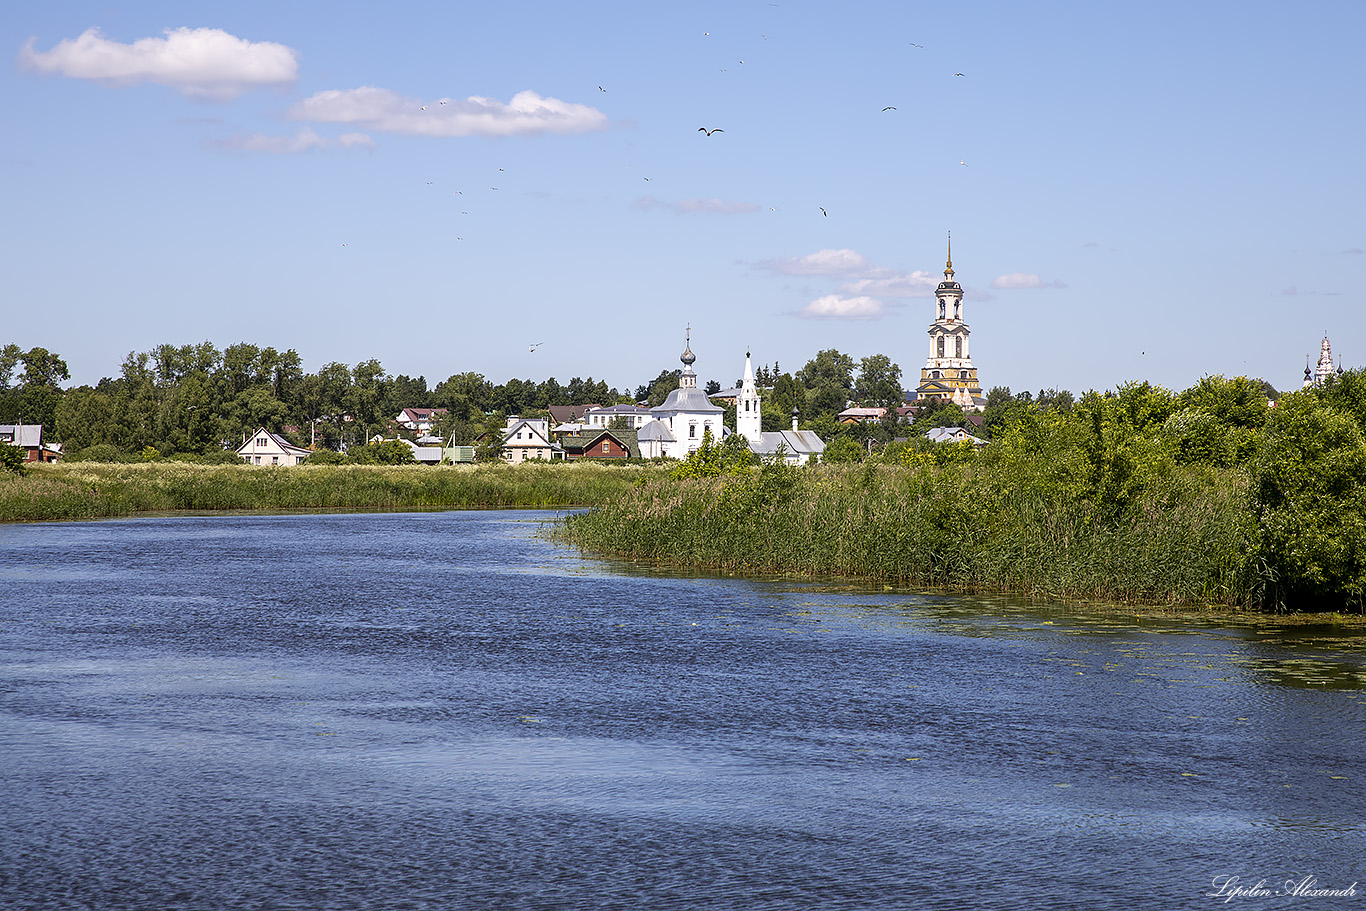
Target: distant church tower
748 420
948 372
1324 369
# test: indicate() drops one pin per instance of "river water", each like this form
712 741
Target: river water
446 710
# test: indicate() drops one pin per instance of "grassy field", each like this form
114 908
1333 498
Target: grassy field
953 528
92 490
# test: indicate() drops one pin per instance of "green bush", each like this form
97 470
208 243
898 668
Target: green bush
100 452
12 458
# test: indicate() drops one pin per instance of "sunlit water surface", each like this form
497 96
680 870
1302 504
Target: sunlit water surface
446 710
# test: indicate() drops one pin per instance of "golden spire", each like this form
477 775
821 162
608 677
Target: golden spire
948 266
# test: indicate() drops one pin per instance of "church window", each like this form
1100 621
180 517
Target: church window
958 346
941 346
692 430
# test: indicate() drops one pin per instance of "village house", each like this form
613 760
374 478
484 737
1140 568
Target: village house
634 416
266 448
29 437
529 438
419 420
601 444
857 415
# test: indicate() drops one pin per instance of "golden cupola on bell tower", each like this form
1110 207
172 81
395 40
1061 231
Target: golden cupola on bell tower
948 372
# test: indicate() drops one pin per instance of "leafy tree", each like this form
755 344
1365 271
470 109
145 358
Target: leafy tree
879 383
1004 410
659 388
383 452
843 448
712 387
710 459
368 397
1346 392
829 382
1060 401
490 448
12 458
10 356
1309 504
466 395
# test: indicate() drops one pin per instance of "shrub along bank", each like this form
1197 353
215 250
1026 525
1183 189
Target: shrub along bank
1139 496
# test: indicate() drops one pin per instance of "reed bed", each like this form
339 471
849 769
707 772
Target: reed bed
957 528
89 490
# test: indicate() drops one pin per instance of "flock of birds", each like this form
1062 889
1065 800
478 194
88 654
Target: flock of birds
708 131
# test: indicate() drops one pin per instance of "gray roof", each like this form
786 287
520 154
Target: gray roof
620 409
655 430
688 399
29 436
796 441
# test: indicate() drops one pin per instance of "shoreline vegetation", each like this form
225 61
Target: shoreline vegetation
74 491
1209 498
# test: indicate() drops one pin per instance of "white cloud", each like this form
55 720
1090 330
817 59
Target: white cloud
303 141
698 206
833 306
386 111
1012 280
905 284
833 263
201 63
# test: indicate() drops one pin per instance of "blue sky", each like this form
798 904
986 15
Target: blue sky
1136 191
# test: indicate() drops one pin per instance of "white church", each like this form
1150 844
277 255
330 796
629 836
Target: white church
678 425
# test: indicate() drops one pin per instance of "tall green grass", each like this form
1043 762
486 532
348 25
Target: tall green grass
969 528
89 490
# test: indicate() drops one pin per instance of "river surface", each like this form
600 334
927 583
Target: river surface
448 711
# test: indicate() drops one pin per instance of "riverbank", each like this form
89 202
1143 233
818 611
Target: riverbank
1184 541
93 490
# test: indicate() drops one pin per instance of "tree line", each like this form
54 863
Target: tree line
200 398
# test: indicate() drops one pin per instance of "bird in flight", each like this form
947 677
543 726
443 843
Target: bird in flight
709 132
601 89
535 346
423 108
921 46
823 212
962 162
441 102
958 74
889 108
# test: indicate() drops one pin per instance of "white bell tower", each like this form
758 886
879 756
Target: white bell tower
748 420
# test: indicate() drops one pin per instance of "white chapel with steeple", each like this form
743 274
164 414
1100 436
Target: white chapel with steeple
797 446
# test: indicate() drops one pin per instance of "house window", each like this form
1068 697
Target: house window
258 460
606 447
275 460
262 442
